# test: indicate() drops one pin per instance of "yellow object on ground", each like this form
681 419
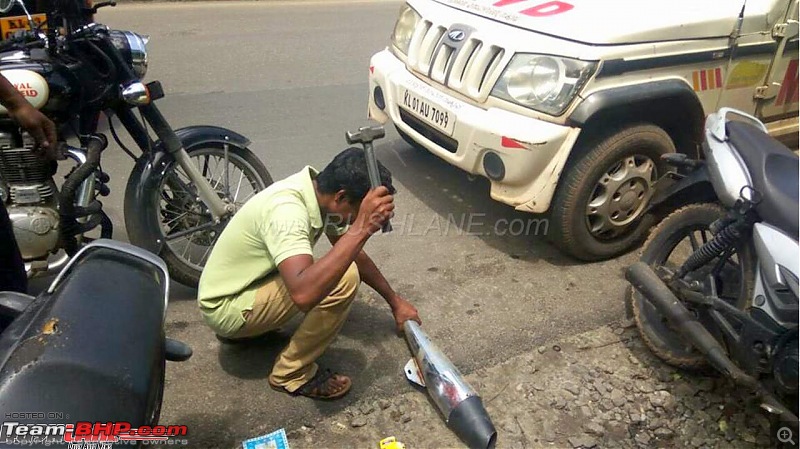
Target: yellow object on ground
391 443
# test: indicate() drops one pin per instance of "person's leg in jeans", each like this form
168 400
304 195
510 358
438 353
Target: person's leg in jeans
12 268
273 307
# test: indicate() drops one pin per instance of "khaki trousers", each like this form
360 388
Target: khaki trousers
273 307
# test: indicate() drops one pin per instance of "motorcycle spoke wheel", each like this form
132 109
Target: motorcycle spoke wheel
186 223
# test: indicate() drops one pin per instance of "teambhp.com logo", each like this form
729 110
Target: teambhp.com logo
88 432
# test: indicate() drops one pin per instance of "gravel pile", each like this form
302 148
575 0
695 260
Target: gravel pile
600 389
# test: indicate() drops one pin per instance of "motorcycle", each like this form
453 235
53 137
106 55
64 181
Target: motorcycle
90 348
185 186
717 281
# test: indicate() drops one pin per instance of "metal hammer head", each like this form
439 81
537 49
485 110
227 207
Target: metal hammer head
365 134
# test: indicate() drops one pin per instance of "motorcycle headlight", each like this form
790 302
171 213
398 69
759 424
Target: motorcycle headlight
134 49
404 28
543 83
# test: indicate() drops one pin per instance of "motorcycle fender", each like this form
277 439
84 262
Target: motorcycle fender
139 208
150 168
194 135
674 190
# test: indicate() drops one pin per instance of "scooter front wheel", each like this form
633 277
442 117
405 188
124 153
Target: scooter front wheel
669 245
187 227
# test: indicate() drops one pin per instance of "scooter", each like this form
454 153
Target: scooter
89 349
717 282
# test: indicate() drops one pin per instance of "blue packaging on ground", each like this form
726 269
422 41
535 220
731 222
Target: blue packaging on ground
274 440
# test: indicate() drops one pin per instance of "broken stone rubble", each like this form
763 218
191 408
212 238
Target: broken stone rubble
599 389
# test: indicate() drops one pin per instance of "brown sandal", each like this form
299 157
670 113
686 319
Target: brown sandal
318 387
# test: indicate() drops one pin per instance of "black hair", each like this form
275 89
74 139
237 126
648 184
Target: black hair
348 171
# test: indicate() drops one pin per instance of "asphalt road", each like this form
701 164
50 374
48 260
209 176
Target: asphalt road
293 78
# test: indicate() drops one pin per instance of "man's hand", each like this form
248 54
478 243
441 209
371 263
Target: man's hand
40 127
376 209
404 311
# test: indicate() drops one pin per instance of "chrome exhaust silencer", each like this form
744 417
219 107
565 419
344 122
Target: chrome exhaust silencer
460 405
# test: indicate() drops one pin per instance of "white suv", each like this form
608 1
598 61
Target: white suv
567 106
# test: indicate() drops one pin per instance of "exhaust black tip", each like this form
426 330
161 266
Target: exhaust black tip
471 423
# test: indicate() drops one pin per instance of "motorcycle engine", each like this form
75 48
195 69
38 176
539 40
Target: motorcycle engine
30 195
786 366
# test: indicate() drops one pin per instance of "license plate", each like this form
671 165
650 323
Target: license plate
430 112
10 25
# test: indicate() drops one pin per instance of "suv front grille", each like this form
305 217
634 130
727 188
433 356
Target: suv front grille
466 67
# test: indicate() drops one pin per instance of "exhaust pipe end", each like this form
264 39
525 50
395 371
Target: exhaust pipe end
655 291
471 423
458 402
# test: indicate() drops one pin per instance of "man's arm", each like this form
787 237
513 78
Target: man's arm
309 282
28 117
9 95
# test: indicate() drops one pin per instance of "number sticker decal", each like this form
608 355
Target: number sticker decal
546 9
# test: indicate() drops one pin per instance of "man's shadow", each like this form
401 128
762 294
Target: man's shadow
363 337
253 358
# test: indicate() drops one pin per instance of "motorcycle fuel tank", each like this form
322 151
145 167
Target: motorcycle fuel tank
30 84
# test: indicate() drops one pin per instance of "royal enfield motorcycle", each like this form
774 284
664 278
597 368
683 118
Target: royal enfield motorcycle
717 282
186 183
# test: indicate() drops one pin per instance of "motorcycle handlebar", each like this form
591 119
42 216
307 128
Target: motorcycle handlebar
28 39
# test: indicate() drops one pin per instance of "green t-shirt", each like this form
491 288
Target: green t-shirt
279 222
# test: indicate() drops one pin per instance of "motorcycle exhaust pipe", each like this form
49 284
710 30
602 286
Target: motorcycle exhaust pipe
460 405
645 280
68 210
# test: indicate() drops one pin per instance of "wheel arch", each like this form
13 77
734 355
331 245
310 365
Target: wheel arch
669 104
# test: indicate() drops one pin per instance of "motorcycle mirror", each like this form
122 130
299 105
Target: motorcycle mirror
101 5
6 5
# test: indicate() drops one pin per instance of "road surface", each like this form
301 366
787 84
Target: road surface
293 78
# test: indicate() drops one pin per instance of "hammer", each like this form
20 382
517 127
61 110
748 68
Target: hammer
365 135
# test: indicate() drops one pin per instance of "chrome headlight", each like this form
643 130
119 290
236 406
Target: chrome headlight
404 28
543 83
134 49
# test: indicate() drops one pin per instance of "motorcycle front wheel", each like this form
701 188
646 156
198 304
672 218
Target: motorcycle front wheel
669 245
187 227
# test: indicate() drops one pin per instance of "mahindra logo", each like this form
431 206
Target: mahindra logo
457 35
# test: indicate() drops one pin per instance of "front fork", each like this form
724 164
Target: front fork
218 207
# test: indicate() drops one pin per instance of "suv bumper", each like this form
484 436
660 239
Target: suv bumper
521 156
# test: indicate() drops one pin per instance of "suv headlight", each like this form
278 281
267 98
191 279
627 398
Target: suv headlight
543 83
404 28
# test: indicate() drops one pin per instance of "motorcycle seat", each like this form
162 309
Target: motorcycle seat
99 331
774 171
12 303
